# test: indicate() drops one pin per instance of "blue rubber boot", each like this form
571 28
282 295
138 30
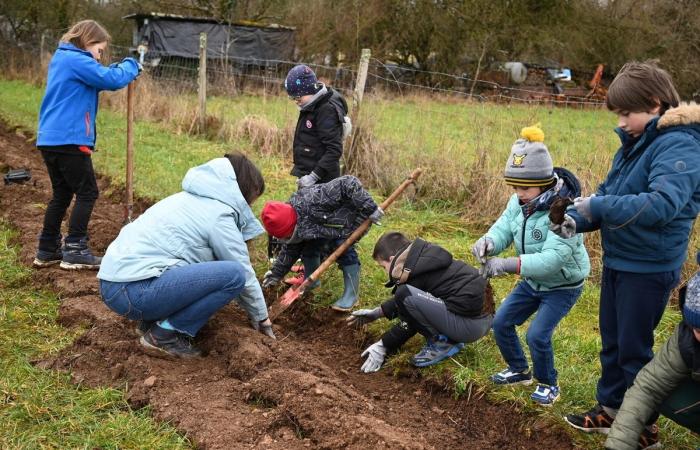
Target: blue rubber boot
351 279
311 263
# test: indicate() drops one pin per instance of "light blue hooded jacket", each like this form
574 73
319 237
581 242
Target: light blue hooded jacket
209 221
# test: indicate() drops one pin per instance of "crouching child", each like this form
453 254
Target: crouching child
320 217
442 298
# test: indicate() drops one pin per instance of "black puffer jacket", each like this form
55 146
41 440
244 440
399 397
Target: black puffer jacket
330 210
318 138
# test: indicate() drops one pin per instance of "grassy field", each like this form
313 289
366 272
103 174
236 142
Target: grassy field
165 153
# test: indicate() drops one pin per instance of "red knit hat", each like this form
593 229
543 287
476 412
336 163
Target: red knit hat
279 219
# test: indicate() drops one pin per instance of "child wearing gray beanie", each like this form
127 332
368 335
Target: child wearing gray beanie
552 268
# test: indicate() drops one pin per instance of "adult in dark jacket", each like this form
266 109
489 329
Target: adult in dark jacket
444 299
315 217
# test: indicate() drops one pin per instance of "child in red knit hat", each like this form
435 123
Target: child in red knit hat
323 215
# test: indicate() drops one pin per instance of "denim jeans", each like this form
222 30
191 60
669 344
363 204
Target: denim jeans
551 307
631 306
187 296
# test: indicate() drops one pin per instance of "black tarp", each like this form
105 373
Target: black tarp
180 38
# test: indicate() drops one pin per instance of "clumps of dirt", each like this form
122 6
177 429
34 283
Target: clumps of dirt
303 390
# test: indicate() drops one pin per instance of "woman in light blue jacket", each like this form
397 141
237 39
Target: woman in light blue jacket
552 268
186 257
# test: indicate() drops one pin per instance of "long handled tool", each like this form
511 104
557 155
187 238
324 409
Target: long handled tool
294 293
129 206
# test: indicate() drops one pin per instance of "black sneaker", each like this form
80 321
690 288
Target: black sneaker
46 259
596 420
162 342
77 256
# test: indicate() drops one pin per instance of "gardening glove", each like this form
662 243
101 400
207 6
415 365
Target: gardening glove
263 326
583 207
499 266
364 316
376 216
375 357
269 280
482 248
566 230
307 180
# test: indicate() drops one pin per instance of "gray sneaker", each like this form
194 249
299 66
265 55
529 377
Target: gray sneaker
162 342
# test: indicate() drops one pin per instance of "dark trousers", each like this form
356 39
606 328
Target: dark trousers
679 405
71 175
324 247
631 306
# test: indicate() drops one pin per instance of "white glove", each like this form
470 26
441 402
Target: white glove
307 180
364 316
495 267
269 280
583 207
376 216
566 230
482 248
375 357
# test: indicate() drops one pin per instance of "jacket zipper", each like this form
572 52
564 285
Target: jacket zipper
522 237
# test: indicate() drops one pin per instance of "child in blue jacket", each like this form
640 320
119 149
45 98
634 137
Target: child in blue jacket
645 211
66 138
552 268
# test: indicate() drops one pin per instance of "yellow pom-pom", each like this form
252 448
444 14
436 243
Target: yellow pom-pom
533 133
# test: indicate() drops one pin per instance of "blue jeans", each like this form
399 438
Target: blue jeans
187 296
631 306
551 307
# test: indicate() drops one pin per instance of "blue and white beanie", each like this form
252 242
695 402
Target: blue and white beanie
301 80
691 308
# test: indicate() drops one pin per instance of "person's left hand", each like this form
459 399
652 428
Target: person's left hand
376 216
499 266
364 316
307 180
263 326
375 357
583 207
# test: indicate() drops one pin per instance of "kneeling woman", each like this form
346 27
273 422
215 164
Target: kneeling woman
186 257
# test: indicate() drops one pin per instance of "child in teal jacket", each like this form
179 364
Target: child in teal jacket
552 268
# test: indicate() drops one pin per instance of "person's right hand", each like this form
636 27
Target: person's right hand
269 280
364 316
482 248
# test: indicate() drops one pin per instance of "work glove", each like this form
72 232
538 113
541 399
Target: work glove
364 316
263 326
376 216
482 248
583 207
269 280
499 266
566 230
307 180
375 357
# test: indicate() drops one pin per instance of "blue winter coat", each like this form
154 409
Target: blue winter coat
209 221
69 107
646 206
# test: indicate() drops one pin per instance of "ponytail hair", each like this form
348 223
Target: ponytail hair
86 33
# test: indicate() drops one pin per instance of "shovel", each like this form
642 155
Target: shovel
129 206
295 292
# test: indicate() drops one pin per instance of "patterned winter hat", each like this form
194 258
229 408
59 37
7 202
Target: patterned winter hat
529 163
279 219
691 308
301 80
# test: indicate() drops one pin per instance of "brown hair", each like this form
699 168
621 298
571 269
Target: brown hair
250 180
86 33
640 87
388 245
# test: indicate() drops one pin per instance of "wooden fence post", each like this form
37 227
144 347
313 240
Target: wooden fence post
202 85
357 95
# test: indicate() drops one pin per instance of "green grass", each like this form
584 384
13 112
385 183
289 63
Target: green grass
163 157
43 409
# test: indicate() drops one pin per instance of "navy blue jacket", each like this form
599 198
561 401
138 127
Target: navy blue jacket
646 206
69 107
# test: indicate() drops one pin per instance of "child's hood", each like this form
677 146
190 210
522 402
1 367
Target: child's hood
67 46
418 258
683 114
217 180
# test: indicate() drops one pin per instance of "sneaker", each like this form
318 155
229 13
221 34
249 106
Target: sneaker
77 256
164 342
507 376
649 438
545 395
596 420
46 259
436 350
142 327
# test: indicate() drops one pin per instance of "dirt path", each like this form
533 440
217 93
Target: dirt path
302 391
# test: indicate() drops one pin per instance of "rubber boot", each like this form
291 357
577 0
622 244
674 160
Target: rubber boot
351 279
311 263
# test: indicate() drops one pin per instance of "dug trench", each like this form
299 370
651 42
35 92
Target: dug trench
303 390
